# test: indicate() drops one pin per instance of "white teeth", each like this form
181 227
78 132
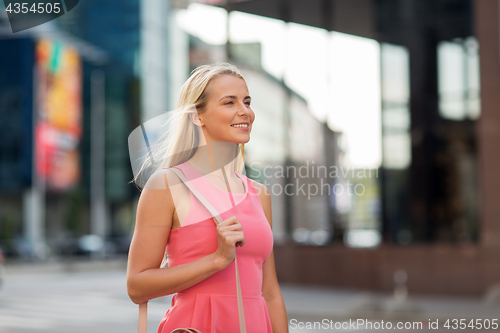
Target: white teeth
240 125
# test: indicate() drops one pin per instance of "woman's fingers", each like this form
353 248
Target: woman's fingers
230 228
231 223
233 237
229 235
232 231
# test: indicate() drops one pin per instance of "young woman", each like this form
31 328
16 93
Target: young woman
213 121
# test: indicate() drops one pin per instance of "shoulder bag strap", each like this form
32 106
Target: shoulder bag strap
143 317
198 195
217 220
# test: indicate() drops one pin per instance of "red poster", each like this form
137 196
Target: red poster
59 112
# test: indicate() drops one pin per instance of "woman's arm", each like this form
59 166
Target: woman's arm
145 280
270 287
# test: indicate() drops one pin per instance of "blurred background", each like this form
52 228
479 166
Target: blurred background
390 107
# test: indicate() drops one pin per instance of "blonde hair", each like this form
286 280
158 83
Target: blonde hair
180 140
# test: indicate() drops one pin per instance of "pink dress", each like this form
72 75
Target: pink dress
211 305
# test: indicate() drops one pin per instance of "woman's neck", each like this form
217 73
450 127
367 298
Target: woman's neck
215 156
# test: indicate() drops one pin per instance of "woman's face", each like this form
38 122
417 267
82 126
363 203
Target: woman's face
228 116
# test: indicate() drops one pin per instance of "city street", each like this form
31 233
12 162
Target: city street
75 302
91 297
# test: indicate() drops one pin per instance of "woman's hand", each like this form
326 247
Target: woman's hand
229 235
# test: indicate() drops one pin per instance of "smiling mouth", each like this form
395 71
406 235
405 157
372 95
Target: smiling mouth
240 125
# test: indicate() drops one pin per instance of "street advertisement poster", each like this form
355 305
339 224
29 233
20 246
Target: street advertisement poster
58 107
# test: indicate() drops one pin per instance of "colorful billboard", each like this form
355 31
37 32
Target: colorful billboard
58 107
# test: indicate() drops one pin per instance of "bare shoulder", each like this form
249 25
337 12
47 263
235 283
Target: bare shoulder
155 201
162 179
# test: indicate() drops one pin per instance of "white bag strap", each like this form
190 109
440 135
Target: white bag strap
143 317
217 219
198 195
216 215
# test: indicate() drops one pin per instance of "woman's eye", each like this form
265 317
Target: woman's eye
231 102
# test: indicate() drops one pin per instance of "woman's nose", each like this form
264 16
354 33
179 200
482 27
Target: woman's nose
242 108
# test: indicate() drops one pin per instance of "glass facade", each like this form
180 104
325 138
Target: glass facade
16 118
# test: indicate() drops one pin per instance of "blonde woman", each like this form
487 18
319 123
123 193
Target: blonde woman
212 122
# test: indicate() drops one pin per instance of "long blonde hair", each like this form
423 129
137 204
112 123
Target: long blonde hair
180 139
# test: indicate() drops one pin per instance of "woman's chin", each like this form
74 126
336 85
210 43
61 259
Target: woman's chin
244 141
241 139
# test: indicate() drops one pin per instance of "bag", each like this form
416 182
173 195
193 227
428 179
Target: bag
143 308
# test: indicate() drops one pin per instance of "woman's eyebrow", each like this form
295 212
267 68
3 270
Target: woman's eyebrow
232 96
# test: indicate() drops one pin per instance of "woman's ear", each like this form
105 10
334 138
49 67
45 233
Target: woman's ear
195 119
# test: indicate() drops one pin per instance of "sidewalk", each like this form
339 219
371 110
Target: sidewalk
309 303
315 303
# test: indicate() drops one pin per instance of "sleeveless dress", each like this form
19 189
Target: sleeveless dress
211 305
